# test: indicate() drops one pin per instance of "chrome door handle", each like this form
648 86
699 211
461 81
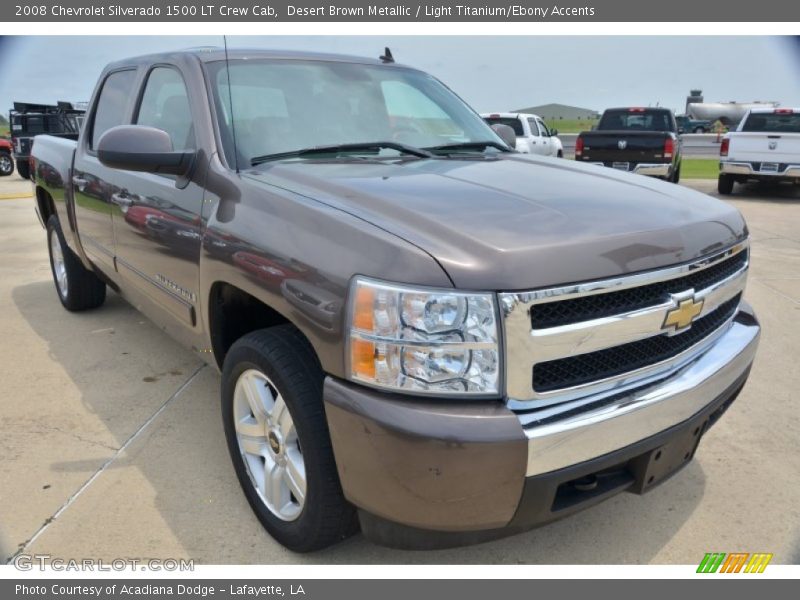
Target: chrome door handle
79 182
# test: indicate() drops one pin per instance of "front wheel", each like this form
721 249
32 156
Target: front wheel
560 154
6 164
676 174
725 185
699 130
279 442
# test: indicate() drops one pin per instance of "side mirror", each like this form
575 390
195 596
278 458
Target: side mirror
141 148
553 132
506 134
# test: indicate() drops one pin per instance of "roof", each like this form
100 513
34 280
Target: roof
507 115
216 53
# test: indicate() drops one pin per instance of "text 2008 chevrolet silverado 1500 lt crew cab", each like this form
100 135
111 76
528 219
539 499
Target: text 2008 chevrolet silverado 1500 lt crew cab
415 326
638 140
765 147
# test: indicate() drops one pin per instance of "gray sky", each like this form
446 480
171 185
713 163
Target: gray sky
490 72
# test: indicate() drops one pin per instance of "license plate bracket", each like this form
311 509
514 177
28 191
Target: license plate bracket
621 166
769 167
661 463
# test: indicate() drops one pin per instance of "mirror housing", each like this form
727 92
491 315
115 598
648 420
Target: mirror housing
506 134
142 148
553 132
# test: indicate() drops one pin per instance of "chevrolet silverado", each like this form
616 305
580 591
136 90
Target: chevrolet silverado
419 331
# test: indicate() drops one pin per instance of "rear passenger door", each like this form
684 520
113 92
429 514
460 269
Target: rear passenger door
536 137
157 218
93 183
548 148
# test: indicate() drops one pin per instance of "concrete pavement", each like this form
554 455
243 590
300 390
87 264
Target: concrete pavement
112 444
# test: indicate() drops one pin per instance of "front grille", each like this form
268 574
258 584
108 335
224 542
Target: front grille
586 308
595 366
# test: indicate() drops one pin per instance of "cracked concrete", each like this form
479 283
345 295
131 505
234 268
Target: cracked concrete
97 463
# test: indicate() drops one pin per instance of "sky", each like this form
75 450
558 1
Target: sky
492 73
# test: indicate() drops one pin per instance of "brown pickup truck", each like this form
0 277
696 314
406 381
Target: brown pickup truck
419 331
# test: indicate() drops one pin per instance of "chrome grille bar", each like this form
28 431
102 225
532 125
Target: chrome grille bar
526 346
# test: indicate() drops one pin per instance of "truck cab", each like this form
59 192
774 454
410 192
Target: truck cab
419 332
533 135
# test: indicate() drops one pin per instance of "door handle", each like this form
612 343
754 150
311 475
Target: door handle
79 182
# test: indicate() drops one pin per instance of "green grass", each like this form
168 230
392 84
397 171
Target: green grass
4 132
699 168
571 125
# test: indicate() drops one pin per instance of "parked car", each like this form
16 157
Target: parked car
687 124
533 135
6 158
765 147
419 331
637 140
28 120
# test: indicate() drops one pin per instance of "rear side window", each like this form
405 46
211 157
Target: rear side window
636 120
773 123
534 127
114 96
165 106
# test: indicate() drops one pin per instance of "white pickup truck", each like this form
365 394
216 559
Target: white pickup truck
765 147
533 136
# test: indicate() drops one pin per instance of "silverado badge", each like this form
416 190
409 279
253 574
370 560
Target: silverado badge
685 310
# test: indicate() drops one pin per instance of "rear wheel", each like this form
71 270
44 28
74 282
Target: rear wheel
699 130
725 185
23 169
6 164
77 287
676 175
279 442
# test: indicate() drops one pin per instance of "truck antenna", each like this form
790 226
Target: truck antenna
387 57
230 100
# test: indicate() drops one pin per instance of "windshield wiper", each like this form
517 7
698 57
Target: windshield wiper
340 148
469 146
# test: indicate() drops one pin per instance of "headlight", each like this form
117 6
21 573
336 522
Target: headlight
423 340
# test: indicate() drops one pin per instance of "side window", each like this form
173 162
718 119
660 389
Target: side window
165 105
533 126
543 128
114 97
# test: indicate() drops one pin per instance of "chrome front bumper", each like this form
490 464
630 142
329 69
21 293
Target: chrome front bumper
745 168
623 419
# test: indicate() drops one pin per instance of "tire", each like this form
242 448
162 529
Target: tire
699 130
560 154
23 168
725 185
6 164
279 363
77 287
676 175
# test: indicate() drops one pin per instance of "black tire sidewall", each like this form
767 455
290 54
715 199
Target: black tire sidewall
296 534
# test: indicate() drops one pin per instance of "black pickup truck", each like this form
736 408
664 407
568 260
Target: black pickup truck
637 140
414 325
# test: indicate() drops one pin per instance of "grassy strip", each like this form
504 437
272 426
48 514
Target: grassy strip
571 125
699 168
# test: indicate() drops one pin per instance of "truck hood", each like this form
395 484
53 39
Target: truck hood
519 222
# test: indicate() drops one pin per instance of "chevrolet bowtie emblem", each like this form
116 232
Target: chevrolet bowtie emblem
680 317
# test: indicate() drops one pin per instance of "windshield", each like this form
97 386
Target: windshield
775 122
280 106
639 120
512 122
